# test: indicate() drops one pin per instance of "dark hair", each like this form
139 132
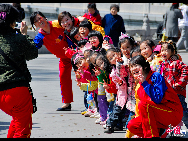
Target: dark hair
98 34
82 42
86 24
174 6
130 39
172 46
33 15
61 16
74 62
116 6
73 32
139 59
91 5
135 49
149 42
8 15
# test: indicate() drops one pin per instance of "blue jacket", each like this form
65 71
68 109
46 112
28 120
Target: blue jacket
113 26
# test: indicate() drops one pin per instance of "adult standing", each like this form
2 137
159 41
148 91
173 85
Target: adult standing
113 24
51 34
171 22
15 98
183 26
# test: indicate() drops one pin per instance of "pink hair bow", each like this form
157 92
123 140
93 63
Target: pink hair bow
123 36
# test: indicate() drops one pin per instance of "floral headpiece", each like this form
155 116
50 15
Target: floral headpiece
123 36
3 15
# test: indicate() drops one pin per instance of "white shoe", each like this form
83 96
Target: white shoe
98 121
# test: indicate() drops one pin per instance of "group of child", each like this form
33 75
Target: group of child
137 86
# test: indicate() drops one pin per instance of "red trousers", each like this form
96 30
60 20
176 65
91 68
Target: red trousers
65 80
17 102
152 118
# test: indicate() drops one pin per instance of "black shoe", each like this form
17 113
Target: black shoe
65 109
109 130
118 128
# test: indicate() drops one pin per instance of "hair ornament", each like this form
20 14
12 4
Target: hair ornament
124 36
3 15
78 56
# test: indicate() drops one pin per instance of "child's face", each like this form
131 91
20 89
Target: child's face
67 22
112 57
165 52
100 64
77 37
91 11
84 31
146 50
126 49
94 40
113 11
84 64
135 70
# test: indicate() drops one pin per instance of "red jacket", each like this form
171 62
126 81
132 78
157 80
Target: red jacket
96 18
156 89
55 41
175 71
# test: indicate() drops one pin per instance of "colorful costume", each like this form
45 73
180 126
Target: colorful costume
159 106
55 42
95 18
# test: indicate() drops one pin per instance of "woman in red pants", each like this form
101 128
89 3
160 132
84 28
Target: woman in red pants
51 34
15 49
159 105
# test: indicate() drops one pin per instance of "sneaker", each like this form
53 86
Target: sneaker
88 114
103 122
98 121
83 112
104 126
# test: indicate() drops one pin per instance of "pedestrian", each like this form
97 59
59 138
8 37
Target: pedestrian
15 97
171 22
183 26
159 105
113 24
92 14
51 34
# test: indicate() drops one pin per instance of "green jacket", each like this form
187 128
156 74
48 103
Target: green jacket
18 48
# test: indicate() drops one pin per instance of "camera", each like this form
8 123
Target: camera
18 25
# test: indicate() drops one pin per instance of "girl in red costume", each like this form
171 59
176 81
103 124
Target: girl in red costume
159 105
51 34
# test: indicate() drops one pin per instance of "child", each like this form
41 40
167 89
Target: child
85 77
135 51
92 14
159 105
84 28
107 42
102 72
147 50
75 35
96 40
113 24
176 74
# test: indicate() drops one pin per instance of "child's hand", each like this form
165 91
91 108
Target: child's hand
78 83
118 81
141 76
105 85
66 49
119 59
176 85
77 74
97 71
80 70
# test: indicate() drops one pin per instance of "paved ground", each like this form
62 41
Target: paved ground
49 123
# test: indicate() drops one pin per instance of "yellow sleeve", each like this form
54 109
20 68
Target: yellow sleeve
92 87
98 28
55 23
137 100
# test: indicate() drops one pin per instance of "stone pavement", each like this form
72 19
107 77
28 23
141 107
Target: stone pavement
49 123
